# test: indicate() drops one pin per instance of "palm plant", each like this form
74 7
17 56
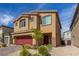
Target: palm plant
24 51
37 35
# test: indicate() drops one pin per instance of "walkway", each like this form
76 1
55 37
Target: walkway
65 51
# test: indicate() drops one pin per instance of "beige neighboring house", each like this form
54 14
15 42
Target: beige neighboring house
75 28
67 37
5 34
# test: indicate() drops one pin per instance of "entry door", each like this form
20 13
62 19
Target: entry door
46 40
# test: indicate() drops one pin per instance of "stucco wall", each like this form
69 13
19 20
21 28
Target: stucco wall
58 32
48 28
75 34
18 28
33 24
29 25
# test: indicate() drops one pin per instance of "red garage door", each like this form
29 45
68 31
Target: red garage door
23 40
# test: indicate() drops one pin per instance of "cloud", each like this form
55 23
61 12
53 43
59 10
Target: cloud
40 6
5 19
66 16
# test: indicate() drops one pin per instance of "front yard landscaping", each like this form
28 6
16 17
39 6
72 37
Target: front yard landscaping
54 51
42 50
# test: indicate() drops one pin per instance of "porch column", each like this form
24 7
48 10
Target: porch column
53 39
8 41
13 39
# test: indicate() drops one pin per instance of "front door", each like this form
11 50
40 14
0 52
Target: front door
46 39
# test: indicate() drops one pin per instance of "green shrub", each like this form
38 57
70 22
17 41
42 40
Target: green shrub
28 46
43 50
4 45
49 46
24 51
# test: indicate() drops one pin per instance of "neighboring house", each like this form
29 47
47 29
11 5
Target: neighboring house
46 21
5 34
67 37
75 28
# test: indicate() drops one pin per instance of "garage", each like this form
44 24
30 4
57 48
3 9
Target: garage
23 40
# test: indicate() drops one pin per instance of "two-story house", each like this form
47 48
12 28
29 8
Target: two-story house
75 28
5 34
47 21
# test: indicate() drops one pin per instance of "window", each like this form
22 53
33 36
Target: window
31 19
67 33
46 20
23 23
15 24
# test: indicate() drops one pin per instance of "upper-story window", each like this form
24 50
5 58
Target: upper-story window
46 20
31 19
15 24
23 23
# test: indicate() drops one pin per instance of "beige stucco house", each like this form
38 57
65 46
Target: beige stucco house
47 21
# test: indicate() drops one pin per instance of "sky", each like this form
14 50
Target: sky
9 12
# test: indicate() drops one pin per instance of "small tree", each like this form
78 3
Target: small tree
37 35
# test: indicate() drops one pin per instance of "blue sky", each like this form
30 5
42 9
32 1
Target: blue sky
9 12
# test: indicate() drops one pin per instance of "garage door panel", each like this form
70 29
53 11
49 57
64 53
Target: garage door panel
24 40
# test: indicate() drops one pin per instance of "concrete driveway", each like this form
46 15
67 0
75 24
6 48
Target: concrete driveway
65 51
8 50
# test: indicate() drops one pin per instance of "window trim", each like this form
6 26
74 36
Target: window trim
46 24
21 21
